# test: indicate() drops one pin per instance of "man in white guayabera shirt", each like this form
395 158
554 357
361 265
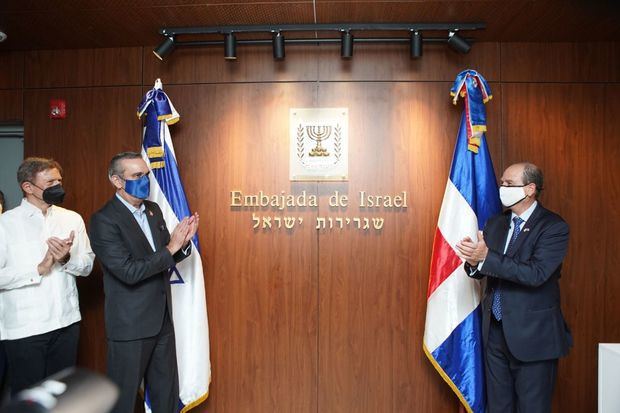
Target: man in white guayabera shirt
43 247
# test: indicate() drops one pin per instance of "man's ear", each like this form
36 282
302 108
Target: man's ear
27 187
116 181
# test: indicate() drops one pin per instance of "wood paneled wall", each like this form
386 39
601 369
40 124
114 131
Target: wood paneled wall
332 320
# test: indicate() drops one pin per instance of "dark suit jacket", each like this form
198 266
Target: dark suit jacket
135 278
532 320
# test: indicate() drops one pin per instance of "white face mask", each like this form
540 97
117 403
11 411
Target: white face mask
511 195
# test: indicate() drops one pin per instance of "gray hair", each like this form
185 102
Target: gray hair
115 167
533 175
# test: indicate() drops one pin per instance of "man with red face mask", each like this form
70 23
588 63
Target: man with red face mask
43 247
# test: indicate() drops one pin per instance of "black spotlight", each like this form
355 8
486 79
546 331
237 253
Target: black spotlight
416 44
278 46
165 48
346 45
230 46
457 43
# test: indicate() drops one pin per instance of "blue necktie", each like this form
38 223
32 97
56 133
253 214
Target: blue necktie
496 306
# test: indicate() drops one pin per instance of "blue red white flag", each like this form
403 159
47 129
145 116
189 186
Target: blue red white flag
186 278
452 335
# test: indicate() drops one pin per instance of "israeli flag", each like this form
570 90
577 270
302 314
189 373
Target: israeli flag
189 308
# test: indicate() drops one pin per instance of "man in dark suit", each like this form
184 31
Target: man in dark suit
520 252
131 241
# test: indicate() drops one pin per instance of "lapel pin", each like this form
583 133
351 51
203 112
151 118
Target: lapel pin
526 229
150 213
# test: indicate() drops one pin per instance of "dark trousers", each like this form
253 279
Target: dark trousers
4 384
31 359
513 385
153 359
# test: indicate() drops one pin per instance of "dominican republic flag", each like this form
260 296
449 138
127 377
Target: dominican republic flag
189 308
452 335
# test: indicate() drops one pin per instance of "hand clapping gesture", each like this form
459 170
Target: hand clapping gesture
58 251
183 233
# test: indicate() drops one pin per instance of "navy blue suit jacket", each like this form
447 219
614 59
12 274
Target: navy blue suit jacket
528 275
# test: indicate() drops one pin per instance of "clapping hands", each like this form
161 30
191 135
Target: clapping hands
58 250
183 233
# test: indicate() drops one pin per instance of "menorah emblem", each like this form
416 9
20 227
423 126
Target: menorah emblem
319 134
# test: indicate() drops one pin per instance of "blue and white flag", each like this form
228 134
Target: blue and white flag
189 307
452 335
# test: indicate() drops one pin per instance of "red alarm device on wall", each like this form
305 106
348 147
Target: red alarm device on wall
58 109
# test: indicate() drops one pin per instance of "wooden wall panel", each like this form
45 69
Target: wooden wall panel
83 67
610 222
11 105
11 75
331 321
373 283
561 129
310 63
11 83
253 64
393 62
261 284
101 123
560 62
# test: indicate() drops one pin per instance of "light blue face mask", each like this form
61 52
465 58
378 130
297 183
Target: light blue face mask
138 188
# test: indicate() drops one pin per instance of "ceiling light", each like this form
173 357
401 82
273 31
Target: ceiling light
230 46
278 46
273 35
346 45
165 48
416 44
457 43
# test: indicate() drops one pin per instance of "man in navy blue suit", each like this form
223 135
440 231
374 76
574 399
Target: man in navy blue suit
520 252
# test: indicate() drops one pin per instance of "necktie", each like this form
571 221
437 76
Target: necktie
496 306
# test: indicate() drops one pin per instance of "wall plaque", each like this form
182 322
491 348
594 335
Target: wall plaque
319 144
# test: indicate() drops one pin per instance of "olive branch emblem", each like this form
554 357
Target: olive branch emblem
337 143
300 142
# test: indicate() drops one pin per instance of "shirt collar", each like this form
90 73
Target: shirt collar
527 213
31 210
131 208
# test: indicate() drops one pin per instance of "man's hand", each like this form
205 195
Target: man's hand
60 248
194 220
46 265
473 252
179 236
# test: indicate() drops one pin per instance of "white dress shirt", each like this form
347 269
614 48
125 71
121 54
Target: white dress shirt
32 304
